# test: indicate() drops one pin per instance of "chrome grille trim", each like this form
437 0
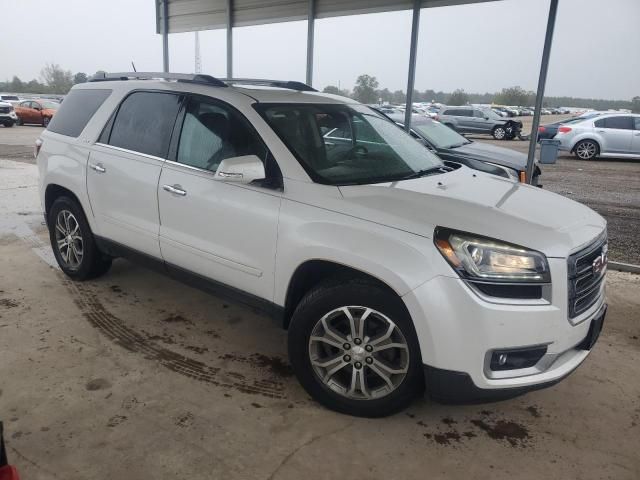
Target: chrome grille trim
585 285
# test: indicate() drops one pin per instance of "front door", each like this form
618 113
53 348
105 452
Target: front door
124 169
224 231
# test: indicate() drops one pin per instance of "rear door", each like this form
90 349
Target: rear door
224 231
124 168
616 133
466 120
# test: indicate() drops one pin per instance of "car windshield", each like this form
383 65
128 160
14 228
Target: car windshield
440 135
51 105
348 144
12 98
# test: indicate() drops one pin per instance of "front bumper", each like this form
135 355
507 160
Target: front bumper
458 330
447 386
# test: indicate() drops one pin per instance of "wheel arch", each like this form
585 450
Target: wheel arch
312 272
582 139
54 191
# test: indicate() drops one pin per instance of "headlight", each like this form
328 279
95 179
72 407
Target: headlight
484 259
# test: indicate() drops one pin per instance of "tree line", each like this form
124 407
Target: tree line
367 90
53 80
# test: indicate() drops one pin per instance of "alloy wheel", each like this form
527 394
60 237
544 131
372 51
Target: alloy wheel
69 239
586 150
499 133
359 353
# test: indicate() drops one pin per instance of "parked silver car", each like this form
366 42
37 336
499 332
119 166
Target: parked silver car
468 119
613 135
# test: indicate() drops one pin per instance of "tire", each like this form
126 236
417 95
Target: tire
586 150
80 259
45 121
499 133
19 122
326 302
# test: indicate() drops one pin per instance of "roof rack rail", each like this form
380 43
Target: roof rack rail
180 77
289 84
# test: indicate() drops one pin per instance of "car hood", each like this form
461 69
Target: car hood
480 203
491 153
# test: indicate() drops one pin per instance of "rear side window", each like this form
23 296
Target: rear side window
144 123
623 123
76 111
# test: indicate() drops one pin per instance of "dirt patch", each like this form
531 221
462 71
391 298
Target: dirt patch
534 411
512 432
176 318
276 365
8 303
97 384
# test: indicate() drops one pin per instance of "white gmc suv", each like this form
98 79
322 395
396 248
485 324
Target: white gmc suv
392 272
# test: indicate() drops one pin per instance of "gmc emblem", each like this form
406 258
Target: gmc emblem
600 262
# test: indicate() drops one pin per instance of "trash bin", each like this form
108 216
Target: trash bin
548 150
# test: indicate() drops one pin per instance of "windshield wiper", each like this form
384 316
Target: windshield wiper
428 171
456 145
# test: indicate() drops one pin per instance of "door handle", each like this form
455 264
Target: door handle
98 168
177 189
602 131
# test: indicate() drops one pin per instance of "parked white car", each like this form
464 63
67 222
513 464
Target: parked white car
602 135
391 271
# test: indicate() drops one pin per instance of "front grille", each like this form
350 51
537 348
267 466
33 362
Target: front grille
5 109
587 269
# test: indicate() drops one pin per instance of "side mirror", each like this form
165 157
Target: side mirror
244 169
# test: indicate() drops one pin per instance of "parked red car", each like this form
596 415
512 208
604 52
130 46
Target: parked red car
38 111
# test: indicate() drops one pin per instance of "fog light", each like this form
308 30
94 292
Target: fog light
516 358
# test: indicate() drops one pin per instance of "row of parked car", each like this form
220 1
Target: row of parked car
528 111
18 111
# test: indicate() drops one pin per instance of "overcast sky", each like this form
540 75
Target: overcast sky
481 48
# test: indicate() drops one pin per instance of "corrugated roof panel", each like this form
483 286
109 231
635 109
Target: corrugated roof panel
191 15
256 12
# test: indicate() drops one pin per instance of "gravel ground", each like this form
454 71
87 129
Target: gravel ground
611 187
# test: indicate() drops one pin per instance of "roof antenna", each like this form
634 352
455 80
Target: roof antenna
134 66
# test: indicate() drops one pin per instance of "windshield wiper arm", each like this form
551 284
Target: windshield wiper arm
428 171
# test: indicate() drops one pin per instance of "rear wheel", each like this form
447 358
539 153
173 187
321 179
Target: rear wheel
354 349
586 150
73 243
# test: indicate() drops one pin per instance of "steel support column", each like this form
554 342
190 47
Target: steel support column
229 38
165 35
412 63
311 19
542 80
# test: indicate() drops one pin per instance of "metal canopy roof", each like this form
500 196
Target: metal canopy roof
191 15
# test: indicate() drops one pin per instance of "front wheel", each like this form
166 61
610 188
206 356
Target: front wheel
73 243
499 133
19 122
353 348
586 149
45 121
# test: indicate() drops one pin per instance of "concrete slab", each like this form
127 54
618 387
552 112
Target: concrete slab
136 376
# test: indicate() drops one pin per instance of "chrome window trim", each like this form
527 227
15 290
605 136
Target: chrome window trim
134 152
